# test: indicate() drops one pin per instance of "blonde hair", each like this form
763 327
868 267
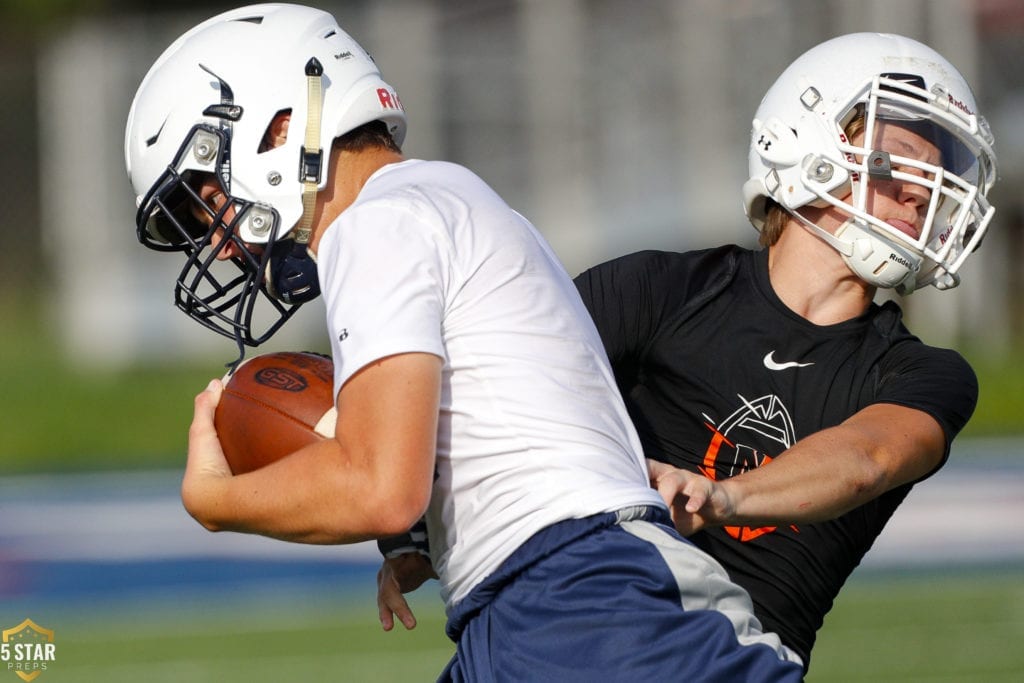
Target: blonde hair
776 218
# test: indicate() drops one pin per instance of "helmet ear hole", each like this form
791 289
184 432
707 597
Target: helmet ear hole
276 133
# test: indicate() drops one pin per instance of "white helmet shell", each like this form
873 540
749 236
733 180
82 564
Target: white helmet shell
238 70
800 155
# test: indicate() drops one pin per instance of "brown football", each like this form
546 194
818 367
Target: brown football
273 405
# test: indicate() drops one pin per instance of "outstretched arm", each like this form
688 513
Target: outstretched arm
820 477
373 479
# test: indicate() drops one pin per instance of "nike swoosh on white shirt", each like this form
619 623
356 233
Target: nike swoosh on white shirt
772 364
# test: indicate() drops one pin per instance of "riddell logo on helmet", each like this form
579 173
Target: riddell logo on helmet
959 105
388 99
900 260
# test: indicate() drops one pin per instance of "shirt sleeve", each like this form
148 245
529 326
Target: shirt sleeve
634 297
937 381
383 281
624 302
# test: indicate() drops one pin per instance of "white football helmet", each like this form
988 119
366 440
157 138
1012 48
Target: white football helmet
204 109
800 155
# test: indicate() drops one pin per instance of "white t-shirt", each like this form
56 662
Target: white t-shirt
532 429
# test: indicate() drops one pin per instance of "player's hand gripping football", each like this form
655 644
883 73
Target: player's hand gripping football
206 464
694 500
398 575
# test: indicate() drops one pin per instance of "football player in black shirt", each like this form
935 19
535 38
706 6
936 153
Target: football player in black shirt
798 412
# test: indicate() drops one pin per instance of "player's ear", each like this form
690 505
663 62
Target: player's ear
277 132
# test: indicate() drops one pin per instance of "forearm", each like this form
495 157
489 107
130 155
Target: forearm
317 495
372 479
817 479
838 469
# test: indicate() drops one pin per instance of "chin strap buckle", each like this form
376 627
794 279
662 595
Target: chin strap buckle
311 162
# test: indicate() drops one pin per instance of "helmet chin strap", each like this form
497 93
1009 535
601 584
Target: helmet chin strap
311 164
877 261
844 248
291 274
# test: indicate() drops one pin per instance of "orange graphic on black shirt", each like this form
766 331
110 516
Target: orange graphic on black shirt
766 417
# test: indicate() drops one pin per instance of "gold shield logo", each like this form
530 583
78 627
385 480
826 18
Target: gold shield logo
27 650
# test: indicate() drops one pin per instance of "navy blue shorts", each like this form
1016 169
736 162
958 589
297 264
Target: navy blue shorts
614 597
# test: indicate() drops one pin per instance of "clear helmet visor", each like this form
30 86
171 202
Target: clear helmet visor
935 166
927 141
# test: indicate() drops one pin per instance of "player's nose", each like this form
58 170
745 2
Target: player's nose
224 249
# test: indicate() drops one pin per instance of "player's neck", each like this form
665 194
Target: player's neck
811 278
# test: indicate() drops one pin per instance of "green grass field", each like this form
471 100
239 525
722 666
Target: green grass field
245 641
915 628
935 628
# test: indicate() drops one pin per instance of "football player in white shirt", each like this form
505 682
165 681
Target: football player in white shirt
472 387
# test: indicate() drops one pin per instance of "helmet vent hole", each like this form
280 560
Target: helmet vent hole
276 134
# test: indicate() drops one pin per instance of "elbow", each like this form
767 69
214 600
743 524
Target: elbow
396 503
398 514
388 513
871 481
395 525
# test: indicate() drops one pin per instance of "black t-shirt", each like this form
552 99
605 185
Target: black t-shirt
720 376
